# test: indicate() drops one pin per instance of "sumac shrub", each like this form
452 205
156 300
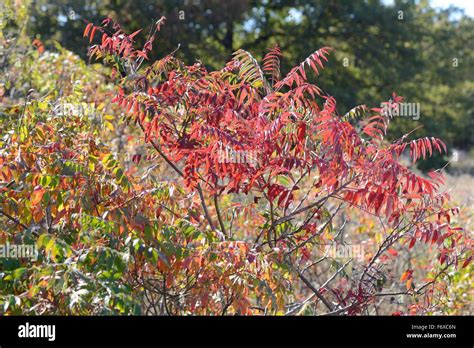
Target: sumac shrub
250 142
273 202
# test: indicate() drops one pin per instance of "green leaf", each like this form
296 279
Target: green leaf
19 273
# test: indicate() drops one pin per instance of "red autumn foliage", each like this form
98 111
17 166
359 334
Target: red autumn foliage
191 115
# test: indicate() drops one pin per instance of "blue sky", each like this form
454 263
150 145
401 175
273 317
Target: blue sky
466 5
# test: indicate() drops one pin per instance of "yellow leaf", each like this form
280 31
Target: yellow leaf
109 125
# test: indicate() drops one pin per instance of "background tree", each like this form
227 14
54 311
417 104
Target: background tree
409 47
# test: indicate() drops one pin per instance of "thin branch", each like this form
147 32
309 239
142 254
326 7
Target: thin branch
204 207
335 274
219 217
13 219
339 311
312 205
315 291
177 170
315 234
321 287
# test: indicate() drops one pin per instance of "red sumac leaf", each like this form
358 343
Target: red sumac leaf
406 275
392 252
467 262
92 34
87 29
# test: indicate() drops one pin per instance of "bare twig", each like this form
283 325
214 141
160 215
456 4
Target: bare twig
321 287
11 218
312 205
315 291
219 217
180 173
